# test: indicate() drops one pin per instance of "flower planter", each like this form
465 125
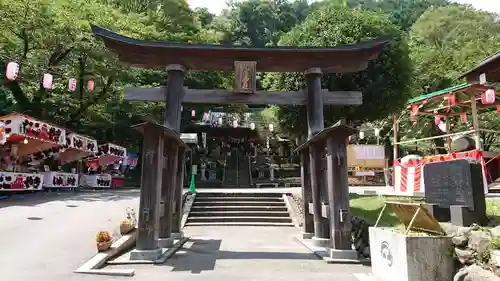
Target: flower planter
103 246
126 228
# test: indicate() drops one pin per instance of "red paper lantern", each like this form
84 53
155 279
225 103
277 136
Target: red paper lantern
451 100
488 97
12 71
47 81
90 85
414 112
72 85
463 117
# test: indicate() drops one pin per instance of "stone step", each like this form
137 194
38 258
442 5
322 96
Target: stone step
239 219
256 213
238 194
234 198
282 224
238 208
238 203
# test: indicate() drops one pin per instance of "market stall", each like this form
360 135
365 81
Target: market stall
24 138
76 147
97 177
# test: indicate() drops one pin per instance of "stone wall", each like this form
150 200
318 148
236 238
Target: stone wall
472 252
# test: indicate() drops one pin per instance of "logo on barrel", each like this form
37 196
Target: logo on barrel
386 254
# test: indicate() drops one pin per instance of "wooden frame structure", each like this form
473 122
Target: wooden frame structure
454 101
177 58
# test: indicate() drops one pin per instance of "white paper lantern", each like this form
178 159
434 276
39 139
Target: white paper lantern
252 126
205 117
361 135
219 120
47 81
72 85
235 124
193 113
377 132
12 71
271 127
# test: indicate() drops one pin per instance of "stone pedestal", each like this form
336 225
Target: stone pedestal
165 242
322 242
147 255
307 235
344 255
177 235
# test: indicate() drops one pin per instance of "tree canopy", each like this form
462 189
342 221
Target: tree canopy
49 36
384 84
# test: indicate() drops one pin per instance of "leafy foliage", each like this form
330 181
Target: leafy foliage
384 83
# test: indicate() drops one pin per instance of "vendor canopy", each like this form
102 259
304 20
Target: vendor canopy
155 54
32 135
77 147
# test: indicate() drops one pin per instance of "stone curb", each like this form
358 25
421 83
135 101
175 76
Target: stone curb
187 209
321 253
166 255
291 210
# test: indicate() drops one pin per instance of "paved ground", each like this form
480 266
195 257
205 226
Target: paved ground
48 236
246 253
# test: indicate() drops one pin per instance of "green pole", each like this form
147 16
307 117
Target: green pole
192 185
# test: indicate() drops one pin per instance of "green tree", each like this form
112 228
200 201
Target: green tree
384 84
445 42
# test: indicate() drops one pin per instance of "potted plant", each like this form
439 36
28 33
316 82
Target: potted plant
128 224
103 240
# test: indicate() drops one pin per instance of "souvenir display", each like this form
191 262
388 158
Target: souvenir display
59 180
12 181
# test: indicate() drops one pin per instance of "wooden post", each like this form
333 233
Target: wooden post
448 127
338 193
317 184
308 224
315 124
475 122
168 191
177 218
152 152
395 128
174 94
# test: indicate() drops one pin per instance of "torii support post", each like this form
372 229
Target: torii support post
173 144
338 192
315 122
339 219
147 231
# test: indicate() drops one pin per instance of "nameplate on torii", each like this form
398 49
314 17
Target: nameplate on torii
341 98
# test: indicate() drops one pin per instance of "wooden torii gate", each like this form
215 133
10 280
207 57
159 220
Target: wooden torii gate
177 58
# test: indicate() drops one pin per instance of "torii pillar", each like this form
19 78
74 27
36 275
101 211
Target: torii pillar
171 188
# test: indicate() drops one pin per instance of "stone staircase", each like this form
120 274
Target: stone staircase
256 209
